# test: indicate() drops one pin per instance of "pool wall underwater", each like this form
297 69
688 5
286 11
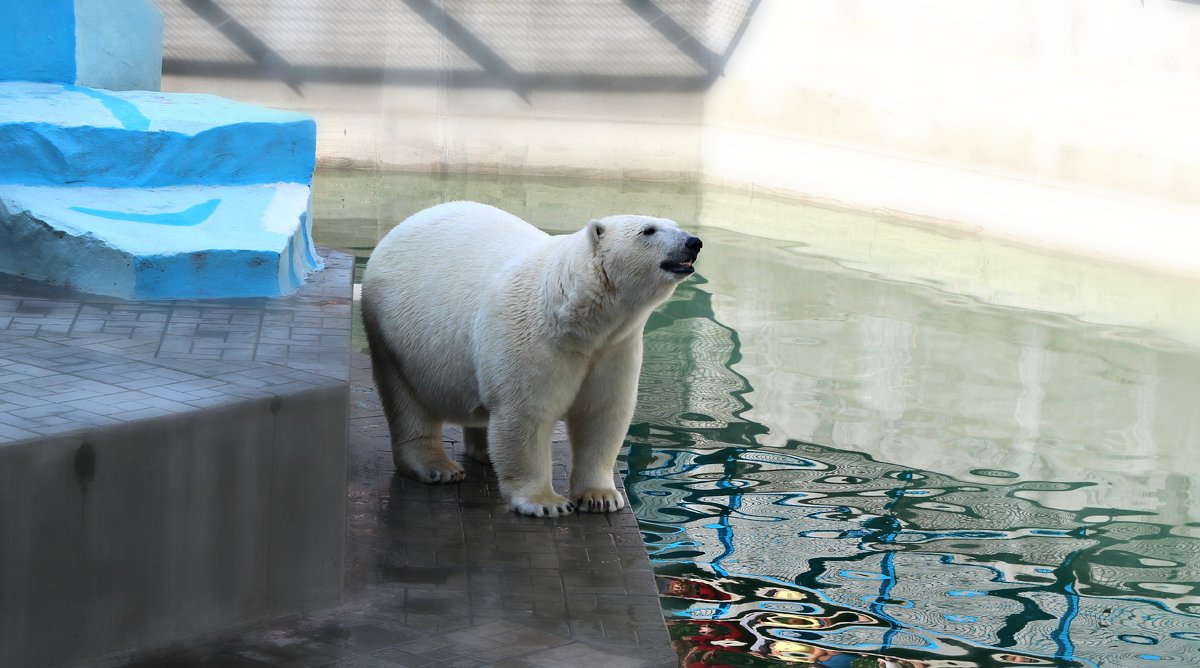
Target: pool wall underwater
1067 126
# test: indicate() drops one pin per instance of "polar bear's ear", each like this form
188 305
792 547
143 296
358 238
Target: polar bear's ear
595 230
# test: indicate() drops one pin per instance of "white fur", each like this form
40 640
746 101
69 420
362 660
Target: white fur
476 317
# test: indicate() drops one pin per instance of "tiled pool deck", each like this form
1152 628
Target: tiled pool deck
72 362
435 575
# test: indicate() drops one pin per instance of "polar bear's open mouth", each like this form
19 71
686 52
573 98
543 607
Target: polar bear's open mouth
682 267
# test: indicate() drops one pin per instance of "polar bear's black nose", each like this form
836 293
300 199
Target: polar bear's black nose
693 243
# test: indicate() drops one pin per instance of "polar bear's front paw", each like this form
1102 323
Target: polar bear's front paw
542 505
437 474
451 474
599 500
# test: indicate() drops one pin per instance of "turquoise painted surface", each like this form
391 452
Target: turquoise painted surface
126 112
65 135
189 217
181 113
40 40
301 257
211 273
40 252
243 154
151 222
112 44
177 242
87 170
118 44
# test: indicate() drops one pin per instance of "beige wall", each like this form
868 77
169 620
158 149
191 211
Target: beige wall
1096 93
513 86
1062 123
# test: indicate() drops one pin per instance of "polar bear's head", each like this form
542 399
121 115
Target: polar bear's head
643 257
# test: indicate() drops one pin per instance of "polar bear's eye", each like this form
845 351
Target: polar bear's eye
648 231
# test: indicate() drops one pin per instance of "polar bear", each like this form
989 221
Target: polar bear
475 317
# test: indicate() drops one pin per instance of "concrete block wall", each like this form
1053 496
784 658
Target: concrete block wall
139 536
94 43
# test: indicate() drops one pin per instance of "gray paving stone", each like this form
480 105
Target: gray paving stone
12 433
86 354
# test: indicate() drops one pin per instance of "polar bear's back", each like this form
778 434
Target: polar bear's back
466 231
425 283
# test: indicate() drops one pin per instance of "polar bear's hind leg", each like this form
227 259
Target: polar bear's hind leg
475 440
416 437
417 448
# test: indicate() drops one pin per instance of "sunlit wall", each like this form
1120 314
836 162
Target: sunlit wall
1067 124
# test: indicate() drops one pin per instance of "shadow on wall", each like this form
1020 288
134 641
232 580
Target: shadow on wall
518 45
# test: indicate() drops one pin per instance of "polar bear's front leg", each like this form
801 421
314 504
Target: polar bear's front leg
597 423
519 447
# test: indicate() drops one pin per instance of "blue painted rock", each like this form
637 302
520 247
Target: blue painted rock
160 243
113 44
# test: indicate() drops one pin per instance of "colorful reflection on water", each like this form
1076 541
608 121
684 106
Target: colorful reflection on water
867 473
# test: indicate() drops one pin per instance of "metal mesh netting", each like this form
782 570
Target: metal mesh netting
539 43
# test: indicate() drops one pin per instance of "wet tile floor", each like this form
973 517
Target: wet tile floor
447 576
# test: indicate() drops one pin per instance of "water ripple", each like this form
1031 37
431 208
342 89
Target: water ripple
799 552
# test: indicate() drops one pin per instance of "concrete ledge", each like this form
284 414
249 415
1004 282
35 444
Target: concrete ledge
144 533
68 135
162 243
168 470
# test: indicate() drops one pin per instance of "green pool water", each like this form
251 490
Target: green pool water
864 441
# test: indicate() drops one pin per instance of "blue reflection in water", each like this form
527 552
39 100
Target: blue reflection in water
823 556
